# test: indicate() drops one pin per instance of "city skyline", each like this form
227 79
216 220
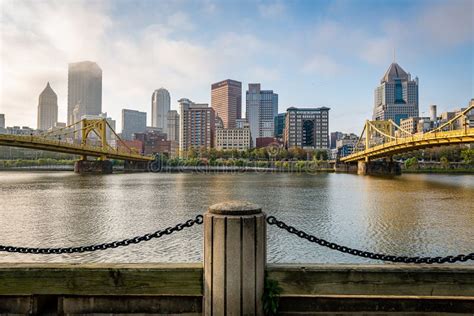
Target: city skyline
180 57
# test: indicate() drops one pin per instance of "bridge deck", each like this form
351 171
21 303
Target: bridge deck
415 142
40 143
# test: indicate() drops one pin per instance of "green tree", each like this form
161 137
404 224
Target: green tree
467 156
411 163
192 153
444 162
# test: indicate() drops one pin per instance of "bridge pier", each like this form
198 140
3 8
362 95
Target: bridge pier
135 166
378 168
93 166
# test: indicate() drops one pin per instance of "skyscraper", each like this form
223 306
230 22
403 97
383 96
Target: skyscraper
261 110
173 125
196 127
132 122
397 96
47 108
226 100
84 89
160 105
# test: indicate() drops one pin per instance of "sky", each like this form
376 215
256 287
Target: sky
312 53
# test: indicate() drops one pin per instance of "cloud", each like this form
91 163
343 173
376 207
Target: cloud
185 46
209 6
39 39
437 27
322 65
36 35
263 74
180 21
271 10
440 26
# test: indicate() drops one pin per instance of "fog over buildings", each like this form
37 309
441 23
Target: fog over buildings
84 94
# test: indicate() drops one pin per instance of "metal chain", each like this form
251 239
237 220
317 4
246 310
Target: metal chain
122 243
271 220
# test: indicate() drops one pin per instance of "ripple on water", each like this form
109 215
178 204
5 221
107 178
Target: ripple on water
409 215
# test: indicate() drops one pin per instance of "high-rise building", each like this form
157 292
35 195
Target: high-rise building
2 120
196 126
279 125
160 105
226 100
173 125
307 128
47 108
397 96
132 122
173 132
261 110
84 90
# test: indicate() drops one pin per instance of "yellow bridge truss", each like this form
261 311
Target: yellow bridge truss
383 139
75 139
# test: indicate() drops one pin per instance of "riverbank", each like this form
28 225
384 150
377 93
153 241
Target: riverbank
226 169
440 171
185 169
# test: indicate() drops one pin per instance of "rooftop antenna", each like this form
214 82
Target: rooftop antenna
394 59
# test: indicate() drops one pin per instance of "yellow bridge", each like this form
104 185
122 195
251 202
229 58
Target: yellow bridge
384 139
87 137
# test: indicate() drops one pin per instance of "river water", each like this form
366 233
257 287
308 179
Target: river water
425 215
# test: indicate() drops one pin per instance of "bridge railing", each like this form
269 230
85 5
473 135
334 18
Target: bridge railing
66 144
411 140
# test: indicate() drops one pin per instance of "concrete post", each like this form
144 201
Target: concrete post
362 167
93 166
234 259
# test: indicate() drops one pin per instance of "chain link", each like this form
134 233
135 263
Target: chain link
121 243
271 220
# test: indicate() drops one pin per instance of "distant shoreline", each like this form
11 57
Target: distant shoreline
440 171
224 169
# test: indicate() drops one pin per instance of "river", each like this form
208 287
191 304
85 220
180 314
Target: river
413 214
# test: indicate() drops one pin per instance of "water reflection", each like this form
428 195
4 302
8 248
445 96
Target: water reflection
407 215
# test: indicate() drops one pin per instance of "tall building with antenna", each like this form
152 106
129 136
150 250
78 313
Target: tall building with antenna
396 97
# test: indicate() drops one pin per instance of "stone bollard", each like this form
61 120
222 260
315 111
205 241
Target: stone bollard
234 259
